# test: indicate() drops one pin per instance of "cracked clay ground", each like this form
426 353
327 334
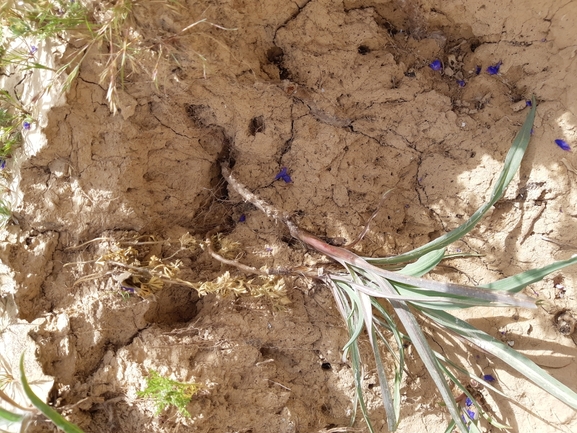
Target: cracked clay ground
341 93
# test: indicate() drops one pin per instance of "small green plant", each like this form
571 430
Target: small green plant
167 392
365 286
10 417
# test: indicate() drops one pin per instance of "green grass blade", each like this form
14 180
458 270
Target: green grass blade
415 296
357 366
510 167
516 283
508 355
425 264
388 401
464 389
357 317
371 272
426 354
399 355
10 416
431 363
54 416
354 325
437 294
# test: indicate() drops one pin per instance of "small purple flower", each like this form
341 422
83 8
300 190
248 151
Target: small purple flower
2 164
494 69
471 414
461 83
436 65
127 289
478 70
33 50
26 126
528 103
242 218
488 378
563 144
468 402
283 174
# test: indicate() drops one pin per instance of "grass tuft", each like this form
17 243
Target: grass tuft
390 308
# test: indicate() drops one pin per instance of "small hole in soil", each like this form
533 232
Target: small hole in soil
256 125
275 55
326 365
565 322
475 44
284 74
197 113
363 49
174 305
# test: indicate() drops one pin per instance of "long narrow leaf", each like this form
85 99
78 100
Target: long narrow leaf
387 397
464 389
426 354
508 355
54 416
356 325
518 282
510 167
425 264
10 416
415 295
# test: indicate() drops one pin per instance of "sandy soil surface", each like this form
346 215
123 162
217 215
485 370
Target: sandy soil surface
341 93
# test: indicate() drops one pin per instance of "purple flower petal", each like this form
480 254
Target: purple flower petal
468 402
494 69
471 414
528 103
2 164
33 50
563 144
436 65
488 378
283 174
26 125
478 70
461 83
242 218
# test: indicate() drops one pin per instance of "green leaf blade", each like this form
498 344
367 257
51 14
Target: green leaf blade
61 422
508 355
510 167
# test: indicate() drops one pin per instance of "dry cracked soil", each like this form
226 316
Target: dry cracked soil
340 92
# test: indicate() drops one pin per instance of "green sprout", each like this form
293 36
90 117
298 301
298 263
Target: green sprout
11 417
167 392
364 288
